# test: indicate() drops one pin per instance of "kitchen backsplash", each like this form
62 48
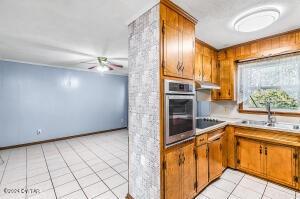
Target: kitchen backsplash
230 109
203 108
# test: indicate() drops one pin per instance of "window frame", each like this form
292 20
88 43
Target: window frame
260 112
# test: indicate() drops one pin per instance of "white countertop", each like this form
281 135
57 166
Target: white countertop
237 122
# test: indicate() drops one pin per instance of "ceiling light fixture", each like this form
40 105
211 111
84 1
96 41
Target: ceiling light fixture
256 19
102 68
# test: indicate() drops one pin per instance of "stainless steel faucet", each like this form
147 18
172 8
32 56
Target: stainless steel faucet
271 120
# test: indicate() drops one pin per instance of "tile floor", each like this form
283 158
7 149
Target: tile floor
96 167
93 166
237 185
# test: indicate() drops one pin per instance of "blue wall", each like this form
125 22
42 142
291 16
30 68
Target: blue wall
60 102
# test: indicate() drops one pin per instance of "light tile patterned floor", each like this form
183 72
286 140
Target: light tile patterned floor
87 167
237 185
96 167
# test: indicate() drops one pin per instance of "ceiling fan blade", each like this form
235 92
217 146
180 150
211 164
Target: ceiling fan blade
92 67
115 65
108 66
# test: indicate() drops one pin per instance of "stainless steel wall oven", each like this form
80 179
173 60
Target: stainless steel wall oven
180 111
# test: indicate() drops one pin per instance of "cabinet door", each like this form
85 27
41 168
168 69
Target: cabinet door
170 43
188 42
202 166
224 151
250 156
226 79
280 163
173 175
215 161
230 147
207 63
198 61
215 77
188 172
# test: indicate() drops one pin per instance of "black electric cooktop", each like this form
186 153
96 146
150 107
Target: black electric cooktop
203 123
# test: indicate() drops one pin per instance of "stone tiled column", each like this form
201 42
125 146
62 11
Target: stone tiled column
144 110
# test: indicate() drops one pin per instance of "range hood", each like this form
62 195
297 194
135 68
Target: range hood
204 85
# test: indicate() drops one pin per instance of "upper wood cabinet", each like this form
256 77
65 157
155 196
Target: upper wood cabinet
178 44
180 172
205 63
226 80
227 58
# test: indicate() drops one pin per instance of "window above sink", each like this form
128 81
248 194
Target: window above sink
275 80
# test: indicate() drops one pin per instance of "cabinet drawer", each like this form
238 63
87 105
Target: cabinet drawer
215 134
201 139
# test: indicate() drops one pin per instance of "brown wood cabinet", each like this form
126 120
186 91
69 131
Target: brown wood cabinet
180 172
205 63
249 156
178 44
202 166
173 174
280 163
274 162
215 159
230 147
226 81
266 47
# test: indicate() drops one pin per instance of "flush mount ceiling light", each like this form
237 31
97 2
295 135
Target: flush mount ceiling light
256 19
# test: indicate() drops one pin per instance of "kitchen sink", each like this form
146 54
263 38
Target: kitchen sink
278 125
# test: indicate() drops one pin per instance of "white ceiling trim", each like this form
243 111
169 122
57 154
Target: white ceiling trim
65 67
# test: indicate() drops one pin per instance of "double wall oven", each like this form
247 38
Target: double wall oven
180 111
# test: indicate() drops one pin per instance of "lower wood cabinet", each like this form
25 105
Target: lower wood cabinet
202 166
180 172
215 159
271 161
249 156
280 164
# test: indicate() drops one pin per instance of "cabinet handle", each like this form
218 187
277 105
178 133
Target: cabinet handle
179 159
260 150
183 160
266 150
182 67
178 66
163 43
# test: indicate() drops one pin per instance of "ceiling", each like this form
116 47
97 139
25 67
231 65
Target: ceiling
67 32
215 19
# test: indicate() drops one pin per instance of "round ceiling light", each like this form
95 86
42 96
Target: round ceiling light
256 20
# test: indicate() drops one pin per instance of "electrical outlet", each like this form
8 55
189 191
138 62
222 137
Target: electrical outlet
225 109
39 131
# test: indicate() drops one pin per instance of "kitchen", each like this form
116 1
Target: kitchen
221 122
150 99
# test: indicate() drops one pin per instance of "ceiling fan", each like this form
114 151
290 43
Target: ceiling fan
103 64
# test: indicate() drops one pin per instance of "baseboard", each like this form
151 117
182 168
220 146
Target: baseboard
61 138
